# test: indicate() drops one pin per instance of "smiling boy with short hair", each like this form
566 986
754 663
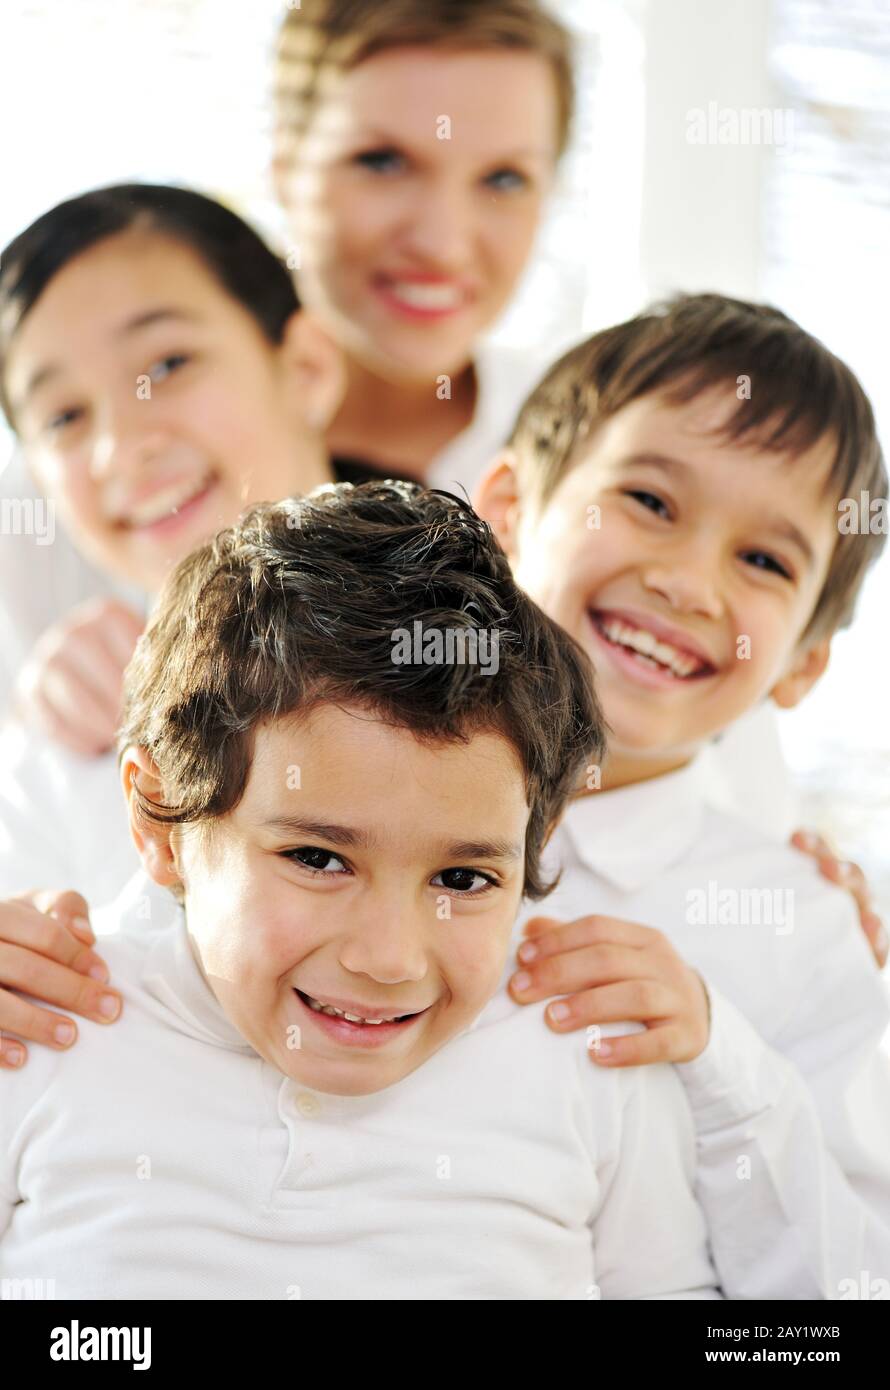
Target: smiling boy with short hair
670 496
346 835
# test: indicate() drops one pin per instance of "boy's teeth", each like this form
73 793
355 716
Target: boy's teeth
339 1013
427 296
649 647
164 503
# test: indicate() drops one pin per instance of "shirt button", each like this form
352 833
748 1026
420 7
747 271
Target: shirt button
307 1105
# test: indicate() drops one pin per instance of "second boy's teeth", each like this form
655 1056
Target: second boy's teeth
647 645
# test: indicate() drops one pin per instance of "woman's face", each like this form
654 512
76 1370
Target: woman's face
153 409
414 197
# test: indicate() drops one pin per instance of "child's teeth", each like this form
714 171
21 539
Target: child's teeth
648 647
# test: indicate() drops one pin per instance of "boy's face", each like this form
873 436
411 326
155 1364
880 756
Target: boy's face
153 409
363 870
687 567
414 199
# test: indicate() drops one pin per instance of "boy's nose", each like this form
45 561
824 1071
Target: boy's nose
127 439
687 588
389 950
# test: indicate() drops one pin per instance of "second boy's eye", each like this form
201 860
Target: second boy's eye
465 881
649 500
760 559
317 861
166 366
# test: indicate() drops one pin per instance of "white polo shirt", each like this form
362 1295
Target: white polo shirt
765 930
168 1160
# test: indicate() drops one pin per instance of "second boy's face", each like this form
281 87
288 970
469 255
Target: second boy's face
361 871
687 567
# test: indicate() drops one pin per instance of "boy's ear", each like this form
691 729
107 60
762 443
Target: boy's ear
497 500
151 839
316 367
802 675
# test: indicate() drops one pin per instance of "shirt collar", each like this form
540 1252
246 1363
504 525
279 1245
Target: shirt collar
171 973
632 834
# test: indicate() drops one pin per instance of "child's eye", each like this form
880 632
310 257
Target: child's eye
649 501
505 180
387 160
468 882
317 861
759 559
166 366
62 418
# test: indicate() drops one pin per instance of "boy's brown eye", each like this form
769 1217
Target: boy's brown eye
321 861
469 881
759 559
648 500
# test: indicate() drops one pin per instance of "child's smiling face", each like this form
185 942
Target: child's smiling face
382 878
687 567
153 408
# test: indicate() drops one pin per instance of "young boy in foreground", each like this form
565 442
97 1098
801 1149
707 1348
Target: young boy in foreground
671 497
308 1097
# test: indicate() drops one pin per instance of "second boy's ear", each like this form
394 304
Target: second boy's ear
313 360
802 675
151 838
497 500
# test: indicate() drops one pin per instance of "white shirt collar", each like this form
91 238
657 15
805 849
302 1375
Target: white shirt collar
632 834
170 972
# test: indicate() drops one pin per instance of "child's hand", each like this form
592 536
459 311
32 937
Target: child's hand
46 951
851 877
70 688
614 971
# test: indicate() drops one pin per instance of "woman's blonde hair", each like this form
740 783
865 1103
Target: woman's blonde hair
324 37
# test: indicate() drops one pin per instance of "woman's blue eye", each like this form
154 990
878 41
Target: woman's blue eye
504 180
383 161
317 860
463 881
649 501
165 366
759 559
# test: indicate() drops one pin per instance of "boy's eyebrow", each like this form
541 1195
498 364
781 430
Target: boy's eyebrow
780 526
350 837
49 370
152 316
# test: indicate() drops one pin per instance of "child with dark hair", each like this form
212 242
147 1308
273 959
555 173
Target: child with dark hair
318 1090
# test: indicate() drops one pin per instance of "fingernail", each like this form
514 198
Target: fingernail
99 972
109 1006
64 1033
528 951
559 1012
602 1049
522 981
806 840
13 1054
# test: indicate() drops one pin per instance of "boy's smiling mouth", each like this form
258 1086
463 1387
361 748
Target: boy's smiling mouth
650 648
372 1026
